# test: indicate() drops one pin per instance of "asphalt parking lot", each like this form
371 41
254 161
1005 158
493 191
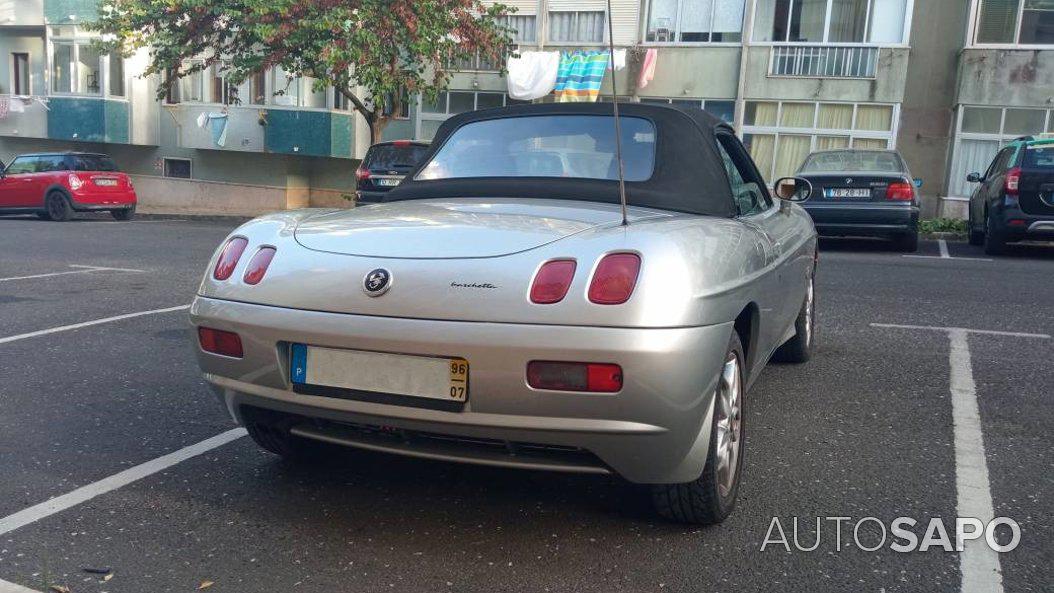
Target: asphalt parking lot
99 383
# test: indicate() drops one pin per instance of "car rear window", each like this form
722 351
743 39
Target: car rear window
1039 157
576 146
393 156
871 162
93 162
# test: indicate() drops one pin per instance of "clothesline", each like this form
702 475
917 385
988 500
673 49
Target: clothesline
573 75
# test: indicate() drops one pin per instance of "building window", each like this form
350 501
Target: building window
258 88
178 168
1024 22
20 84
576 26
404 106
982 131
695 21
831 21
433 113
116 64
298 91
724 109
524 27
190 88
62 67
781 134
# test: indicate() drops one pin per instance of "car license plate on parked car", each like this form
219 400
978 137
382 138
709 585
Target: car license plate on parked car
106 182
388 182
380 372
848 192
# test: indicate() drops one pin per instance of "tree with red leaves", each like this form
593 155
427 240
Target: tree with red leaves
389 48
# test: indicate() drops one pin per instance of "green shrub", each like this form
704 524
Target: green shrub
942 225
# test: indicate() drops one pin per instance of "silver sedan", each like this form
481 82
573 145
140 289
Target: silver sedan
501 308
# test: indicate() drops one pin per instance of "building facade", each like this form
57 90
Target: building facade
944 81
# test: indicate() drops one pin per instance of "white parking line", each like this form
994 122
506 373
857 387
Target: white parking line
65 328
133 474
80 270
943 245
6 587
979 564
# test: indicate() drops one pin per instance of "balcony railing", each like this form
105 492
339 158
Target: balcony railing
811 61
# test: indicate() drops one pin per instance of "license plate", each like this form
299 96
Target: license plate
848 192
388 182
106 182
400 374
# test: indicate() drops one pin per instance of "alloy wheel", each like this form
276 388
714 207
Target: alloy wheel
729 423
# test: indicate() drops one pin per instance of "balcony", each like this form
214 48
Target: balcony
21 13
812 61
88 119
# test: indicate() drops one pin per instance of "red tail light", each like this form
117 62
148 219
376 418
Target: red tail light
574 376
257 267
900 190
362 173
232 252
220 342
614 279
552 281
1013 181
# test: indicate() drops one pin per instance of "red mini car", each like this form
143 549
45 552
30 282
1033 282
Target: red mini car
55 185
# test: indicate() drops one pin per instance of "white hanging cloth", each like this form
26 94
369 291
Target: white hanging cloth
532 75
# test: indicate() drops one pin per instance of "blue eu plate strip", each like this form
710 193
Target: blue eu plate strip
298 364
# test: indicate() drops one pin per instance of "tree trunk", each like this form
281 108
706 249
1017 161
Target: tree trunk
377 129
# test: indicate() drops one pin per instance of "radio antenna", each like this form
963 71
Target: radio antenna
618 124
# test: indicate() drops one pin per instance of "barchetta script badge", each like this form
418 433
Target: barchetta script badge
377 282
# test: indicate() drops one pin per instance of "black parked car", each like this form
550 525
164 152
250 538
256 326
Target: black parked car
385 165
1015 198
863 193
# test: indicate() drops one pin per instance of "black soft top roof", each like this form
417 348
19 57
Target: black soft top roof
689 175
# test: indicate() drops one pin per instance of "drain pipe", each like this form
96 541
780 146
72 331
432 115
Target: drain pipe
741 89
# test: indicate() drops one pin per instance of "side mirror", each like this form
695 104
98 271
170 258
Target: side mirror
918 182
974 178
793 189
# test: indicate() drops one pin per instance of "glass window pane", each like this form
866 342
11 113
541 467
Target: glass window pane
982 120
462 102
524 25
489 100
725 110
835 116
761 113
576 26
116 75
762 149
313 98
687 103
798 115
870 143
770 20
791 153
874 117
972 156
848 19
429 128
437 106
807 19
1022 122
258 89
62 59
727 26
997 22
695 20
88 76
887 21
1037 22
831 142
1050 122
662 17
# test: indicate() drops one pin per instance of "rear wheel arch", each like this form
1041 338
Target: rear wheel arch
746 326
59 189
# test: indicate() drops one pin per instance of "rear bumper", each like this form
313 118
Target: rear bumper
866 220
656 430
115 201
1015 225
370 196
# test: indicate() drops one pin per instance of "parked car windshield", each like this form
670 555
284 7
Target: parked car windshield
93 162
395 156
576 146
853 160
1039 158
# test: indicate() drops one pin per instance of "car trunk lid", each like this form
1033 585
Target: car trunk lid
1036 184
852 187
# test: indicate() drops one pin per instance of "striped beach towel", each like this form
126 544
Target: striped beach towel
580 75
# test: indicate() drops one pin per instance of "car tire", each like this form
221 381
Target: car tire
798 349
994 241
274 437
908 243
976 237
123 213
710 498
58 207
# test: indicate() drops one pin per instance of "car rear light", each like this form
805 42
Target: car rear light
614 279
1013 181
1015 222
401 143
900 190
257 267
552 281
220 342
232 252
362 173
574 376
75 182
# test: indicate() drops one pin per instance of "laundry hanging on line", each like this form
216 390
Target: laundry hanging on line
217 123
580 75
647 68
532 74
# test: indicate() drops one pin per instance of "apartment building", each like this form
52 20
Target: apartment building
944 81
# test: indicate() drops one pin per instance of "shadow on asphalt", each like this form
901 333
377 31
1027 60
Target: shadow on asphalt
857 244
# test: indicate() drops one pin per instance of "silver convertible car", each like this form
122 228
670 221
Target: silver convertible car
497 309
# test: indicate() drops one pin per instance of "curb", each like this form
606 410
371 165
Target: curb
946 236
